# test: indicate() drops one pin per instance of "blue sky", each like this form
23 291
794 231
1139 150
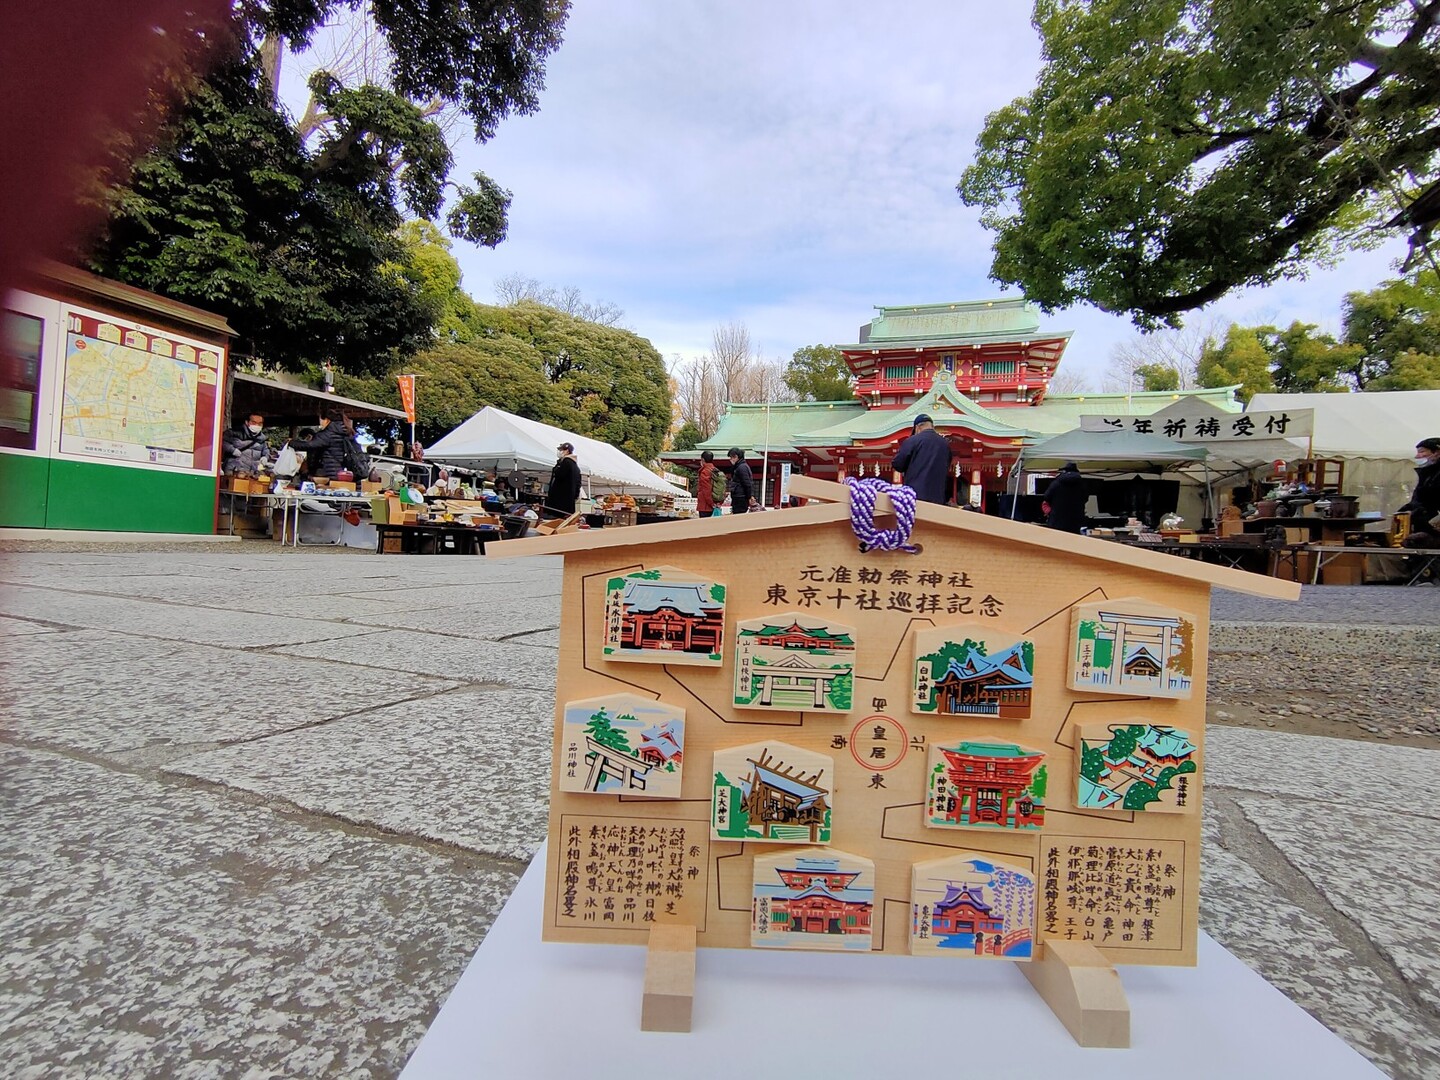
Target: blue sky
787 166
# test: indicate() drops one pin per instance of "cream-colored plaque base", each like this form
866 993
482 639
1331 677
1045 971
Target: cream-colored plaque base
1083 990
669 979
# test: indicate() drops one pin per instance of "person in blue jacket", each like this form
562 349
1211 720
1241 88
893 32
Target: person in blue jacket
924 462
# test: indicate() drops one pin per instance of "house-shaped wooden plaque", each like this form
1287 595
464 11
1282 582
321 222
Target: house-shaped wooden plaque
1125 882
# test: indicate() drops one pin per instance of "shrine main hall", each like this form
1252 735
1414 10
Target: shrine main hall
980 369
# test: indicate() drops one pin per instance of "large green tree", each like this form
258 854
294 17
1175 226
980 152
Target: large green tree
542 364
819 373
1395 330
1240 360
1173 150
288 226
1390 341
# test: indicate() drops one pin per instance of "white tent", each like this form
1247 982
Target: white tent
1373 433
1385 424
496 439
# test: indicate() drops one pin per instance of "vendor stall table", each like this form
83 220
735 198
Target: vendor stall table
524 1008
434 538
1239 554
1421 564
288 503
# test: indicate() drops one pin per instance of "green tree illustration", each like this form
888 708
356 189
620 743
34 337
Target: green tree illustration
1140 795
1039 784
1092 763
607 735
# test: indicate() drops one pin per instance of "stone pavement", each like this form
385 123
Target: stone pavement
259 808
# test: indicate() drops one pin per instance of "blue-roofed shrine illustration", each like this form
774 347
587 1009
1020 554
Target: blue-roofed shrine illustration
772 792
813 899
622 745
794 662
1136 765
985 785
969 670
1132 647
664 616
974 905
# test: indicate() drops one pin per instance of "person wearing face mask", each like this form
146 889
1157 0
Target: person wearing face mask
1424 504
246 448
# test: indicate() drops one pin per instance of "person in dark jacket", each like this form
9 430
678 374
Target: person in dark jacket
325 453
742 482
1066 498
564 482
246 449
1424 504
924 462
705 485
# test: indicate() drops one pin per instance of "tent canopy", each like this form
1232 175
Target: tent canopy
1127 451
496 439
1384 424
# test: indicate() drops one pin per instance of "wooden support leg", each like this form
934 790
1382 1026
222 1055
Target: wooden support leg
1083 989
669 979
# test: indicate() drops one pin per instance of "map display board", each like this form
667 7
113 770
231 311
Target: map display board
134 395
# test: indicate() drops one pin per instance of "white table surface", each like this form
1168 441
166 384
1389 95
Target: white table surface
524 1008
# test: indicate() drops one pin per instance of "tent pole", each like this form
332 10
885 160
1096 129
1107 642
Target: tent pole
765 460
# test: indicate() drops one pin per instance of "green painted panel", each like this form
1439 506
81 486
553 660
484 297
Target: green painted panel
23 483
115 498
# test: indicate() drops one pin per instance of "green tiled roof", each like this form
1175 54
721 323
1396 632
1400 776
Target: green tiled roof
841 423
745 425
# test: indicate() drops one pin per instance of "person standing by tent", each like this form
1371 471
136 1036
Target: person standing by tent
564 482
705 485
924 462
1424 504
1066 498
742 482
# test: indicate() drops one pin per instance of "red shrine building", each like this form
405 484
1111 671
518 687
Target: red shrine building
980 369
991 785
670 616
818 898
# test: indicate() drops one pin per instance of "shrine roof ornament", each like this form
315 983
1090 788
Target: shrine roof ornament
947 407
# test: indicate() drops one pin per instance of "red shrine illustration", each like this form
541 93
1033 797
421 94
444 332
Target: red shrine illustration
988 785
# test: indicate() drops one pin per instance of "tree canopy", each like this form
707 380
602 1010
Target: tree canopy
1390 341
542 364
288 227
819 373
1173 150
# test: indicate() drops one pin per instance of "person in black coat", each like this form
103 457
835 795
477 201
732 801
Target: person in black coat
924 462
742 482
325 453
1424 504
1066 498
564 482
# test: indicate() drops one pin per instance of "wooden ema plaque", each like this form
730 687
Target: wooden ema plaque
940 754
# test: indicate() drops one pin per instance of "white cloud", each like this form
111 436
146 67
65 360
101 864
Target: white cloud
787 166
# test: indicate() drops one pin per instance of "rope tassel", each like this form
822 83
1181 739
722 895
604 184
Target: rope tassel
863 493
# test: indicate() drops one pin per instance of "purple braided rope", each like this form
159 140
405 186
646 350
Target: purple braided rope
863 493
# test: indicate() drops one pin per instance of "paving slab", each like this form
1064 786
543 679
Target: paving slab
501 663
1304 959
153 929
21 628
1385 880
111 693
470 767
1337 773
174 621
491 613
